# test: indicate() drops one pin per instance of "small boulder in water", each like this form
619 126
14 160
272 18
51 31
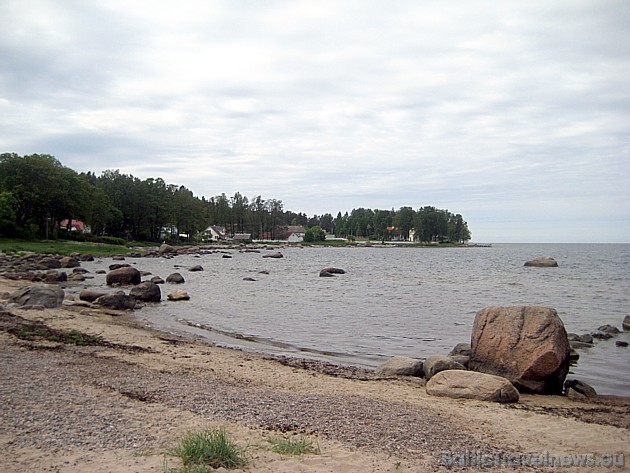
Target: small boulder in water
175 278
576 389
178 295
542 262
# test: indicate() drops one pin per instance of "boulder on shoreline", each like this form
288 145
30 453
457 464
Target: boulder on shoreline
401 366
472 385
166 249
53 276
461 349
118 301
334 270
438 363
527 345
40 296
123 276
542 262
626 323
196 268
146 292
576 389
69 262
90 295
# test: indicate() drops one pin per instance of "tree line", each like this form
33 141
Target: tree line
37 193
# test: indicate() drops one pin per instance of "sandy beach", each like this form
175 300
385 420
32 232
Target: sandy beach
118 406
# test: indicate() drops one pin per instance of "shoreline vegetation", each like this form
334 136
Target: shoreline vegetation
12 246
93 389
41 198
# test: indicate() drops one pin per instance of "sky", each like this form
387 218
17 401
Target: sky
514 114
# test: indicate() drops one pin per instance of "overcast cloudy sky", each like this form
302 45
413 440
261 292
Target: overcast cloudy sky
515 114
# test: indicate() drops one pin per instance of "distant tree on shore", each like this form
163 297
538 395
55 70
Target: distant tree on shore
37 193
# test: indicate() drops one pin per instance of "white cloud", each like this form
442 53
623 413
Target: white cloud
501 111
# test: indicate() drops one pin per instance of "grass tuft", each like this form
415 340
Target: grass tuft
293 446
208 449
34 331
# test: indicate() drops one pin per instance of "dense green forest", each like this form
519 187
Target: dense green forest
37 193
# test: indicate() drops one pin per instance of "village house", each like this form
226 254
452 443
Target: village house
75 226
242 237
215 233
295 233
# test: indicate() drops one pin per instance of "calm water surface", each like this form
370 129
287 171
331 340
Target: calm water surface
395 301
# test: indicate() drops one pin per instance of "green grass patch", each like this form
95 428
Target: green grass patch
293 446
60 247
39 331
208 449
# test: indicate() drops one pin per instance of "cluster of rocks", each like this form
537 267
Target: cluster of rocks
522 349
38 269
44 268
605 332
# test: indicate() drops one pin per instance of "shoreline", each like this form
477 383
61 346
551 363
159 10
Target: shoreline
120 405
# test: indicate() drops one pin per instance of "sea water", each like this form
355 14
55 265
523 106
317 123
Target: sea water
406 301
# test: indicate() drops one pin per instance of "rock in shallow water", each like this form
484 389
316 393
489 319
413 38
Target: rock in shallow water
175 278
542 262
178 295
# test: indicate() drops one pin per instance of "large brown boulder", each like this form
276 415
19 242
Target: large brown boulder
146 292
527 345
470 385
123 276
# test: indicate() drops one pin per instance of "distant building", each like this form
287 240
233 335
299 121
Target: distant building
242 237
295 233
215 233
75 226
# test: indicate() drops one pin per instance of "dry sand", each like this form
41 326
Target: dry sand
119 406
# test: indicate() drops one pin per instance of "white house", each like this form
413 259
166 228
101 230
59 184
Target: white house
215 233
296 233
